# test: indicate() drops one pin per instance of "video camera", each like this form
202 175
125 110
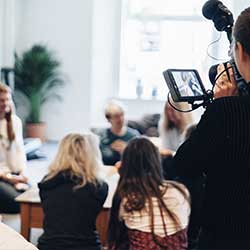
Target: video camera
186 85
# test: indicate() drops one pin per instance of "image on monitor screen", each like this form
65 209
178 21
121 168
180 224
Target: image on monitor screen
187 83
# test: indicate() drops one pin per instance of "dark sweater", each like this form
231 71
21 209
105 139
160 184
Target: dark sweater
70 215
220 149
110 156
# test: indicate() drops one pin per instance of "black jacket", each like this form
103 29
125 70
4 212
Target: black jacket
220 149
70 215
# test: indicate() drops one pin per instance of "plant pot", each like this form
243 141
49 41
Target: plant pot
36 130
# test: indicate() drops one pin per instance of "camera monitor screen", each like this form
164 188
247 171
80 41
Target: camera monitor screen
187 83
184 84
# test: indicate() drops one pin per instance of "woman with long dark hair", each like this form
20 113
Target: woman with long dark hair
147 212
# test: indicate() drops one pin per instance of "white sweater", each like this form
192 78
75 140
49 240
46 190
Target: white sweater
171 138
175 202
12 156
11 240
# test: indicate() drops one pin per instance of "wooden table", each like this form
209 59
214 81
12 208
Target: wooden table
32 213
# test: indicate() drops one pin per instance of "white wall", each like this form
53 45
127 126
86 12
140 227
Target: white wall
240 5
1 30
106 65
66 26
7 32
105 56
86 37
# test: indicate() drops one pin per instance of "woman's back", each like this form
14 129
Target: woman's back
175 202
70 214
219 147
167 235
72 195
147 212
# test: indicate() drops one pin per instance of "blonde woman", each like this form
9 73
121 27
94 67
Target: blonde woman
72 196
173 124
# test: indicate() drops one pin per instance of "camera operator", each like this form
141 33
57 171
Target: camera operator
220 149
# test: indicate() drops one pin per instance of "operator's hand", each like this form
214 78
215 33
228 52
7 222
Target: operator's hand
224 86
14 179
119 146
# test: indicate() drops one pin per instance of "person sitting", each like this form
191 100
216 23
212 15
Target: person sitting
114 139
172 126
147 212
12 155
72 196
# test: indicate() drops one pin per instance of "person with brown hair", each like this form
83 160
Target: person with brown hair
72 195
147 212
12 155
219 148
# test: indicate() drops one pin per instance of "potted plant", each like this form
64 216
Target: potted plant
37 81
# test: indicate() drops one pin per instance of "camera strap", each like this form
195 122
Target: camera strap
226 69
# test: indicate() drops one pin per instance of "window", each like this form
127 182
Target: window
161 34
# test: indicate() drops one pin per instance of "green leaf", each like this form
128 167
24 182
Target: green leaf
37 76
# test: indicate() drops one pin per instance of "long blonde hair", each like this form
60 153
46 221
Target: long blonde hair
80 156
185 118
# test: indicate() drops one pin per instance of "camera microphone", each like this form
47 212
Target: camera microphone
223 20
221 16
209 8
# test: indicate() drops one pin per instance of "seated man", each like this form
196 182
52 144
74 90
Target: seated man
12 156
114 139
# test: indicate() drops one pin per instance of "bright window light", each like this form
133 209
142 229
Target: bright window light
161 34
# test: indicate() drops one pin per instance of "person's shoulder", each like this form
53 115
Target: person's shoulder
103 132
99 186
98 190
226 104
16 119
175 188
49 183
227 100
132 132
102 186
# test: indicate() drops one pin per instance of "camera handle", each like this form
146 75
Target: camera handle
208 98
